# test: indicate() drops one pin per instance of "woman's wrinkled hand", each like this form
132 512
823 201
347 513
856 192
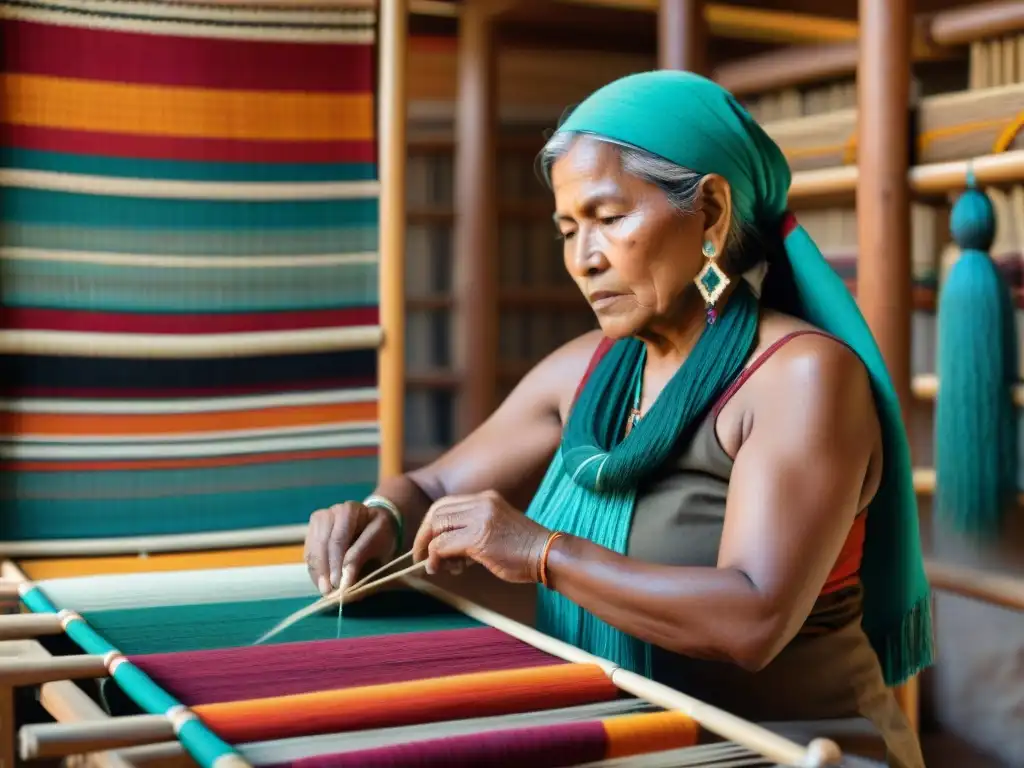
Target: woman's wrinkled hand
343 538
483 528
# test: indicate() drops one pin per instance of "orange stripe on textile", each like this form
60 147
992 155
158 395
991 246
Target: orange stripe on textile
180 423
89 105
483 694
637 734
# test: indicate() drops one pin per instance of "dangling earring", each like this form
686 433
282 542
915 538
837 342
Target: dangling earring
711 281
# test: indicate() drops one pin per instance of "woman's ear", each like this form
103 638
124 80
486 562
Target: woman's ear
716 204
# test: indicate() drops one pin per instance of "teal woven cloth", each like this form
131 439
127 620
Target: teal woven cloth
590 487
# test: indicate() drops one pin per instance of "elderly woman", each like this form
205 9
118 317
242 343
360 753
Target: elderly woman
724 499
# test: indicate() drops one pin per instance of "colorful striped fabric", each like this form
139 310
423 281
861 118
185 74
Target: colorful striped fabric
188 266
406 680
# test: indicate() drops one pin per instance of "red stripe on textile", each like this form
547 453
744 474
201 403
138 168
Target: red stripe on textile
543 746
226 674
179 148
125 322
147 59
129 393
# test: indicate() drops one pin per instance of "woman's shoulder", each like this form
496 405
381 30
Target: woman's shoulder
561 371
795 357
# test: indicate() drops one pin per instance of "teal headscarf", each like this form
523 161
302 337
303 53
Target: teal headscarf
590 487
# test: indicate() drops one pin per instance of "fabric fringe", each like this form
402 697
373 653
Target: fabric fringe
908 648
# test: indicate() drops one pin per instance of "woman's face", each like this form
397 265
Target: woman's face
633 255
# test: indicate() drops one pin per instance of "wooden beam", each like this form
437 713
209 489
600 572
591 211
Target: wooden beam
745 23
476 217
977 22
1004 590
392 121
884 286
796 65
682 36
809 64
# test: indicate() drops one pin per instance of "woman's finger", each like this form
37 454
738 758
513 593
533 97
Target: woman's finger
348 518
445 546
372 543
320 523
438 519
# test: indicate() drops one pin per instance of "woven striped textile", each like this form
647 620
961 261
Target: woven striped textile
403 680
188 266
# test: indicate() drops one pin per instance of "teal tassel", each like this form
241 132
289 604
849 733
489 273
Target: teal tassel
975 420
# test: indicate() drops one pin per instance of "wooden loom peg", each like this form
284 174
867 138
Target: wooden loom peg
36 671
53 740
28 626
9 590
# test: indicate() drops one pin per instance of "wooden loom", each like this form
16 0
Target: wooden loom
481 664
62 699
803 184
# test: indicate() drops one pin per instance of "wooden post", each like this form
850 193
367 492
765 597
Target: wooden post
391 111
682 35
883 200
476 218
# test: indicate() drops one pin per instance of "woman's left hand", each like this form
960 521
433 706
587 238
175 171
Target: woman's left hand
484 528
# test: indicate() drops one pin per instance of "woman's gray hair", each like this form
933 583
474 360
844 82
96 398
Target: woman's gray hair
680 185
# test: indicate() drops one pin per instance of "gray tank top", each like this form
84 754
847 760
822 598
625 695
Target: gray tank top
828 674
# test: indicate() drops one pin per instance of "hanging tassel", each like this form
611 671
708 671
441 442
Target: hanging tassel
975 419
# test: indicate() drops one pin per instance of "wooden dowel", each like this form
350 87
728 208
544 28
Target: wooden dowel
789 67
807 185
392 223
49 740
924 482
928 179
168 754
973 23
939 178
18 671
994 589
819 754
28 626
926 387
135 545
9 590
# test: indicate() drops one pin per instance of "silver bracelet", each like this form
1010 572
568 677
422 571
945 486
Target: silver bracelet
380 502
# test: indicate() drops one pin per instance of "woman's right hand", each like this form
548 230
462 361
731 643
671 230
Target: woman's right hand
343 538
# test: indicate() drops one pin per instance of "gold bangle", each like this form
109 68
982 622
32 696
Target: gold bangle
543 566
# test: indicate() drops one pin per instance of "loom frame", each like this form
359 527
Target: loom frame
62 738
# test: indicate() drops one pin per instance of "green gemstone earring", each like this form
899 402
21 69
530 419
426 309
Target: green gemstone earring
711 281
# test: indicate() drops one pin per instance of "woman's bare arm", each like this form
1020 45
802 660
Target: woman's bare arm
797 483
510 451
